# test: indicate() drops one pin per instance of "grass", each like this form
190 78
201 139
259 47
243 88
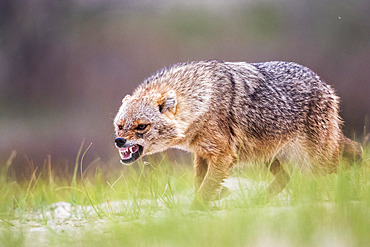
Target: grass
147 204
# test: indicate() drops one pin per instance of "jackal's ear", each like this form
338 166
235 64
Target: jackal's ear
127 97
168 102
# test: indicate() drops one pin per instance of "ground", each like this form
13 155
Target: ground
148 205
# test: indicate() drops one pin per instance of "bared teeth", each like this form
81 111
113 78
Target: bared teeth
126 152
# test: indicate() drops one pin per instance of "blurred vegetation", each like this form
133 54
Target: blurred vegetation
65 65
149 206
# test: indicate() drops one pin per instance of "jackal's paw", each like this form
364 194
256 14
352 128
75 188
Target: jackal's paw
199 205
222 193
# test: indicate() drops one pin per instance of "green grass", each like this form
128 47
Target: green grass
147 204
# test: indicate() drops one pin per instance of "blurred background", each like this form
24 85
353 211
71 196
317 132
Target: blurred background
65 65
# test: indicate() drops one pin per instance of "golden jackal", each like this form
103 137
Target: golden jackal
226 112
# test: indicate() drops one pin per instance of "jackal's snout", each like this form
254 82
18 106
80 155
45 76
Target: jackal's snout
120 142
128 151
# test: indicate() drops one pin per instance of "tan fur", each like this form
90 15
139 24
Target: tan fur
224 112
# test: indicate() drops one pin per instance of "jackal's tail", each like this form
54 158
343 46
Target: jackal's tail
351 150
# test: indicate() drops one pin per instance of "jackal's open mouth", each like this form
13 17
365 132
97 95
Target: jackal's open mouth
130 154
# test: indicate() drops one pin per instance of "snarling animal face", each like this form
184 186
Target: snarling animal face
145 124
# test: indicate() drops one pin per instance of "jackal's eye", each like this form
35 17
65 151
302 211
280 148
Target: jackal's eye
120 127
141 127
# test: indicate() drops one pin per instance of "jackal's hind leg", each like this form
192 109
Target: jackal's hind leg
281 177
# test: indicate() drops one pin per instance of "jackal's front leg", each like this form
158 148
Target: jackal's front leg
216 172
200 169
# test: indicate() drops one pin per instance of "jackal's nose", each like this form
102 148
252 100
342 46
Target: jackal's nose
120 142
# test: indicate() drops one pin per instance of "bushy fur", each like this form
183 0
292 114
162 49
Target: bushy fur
226 112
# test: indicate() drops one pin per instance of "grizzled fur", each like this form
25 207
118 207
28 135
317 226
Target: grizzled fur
226 112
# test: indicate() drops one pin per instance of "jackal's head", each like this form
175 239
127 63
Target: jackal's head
146 124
